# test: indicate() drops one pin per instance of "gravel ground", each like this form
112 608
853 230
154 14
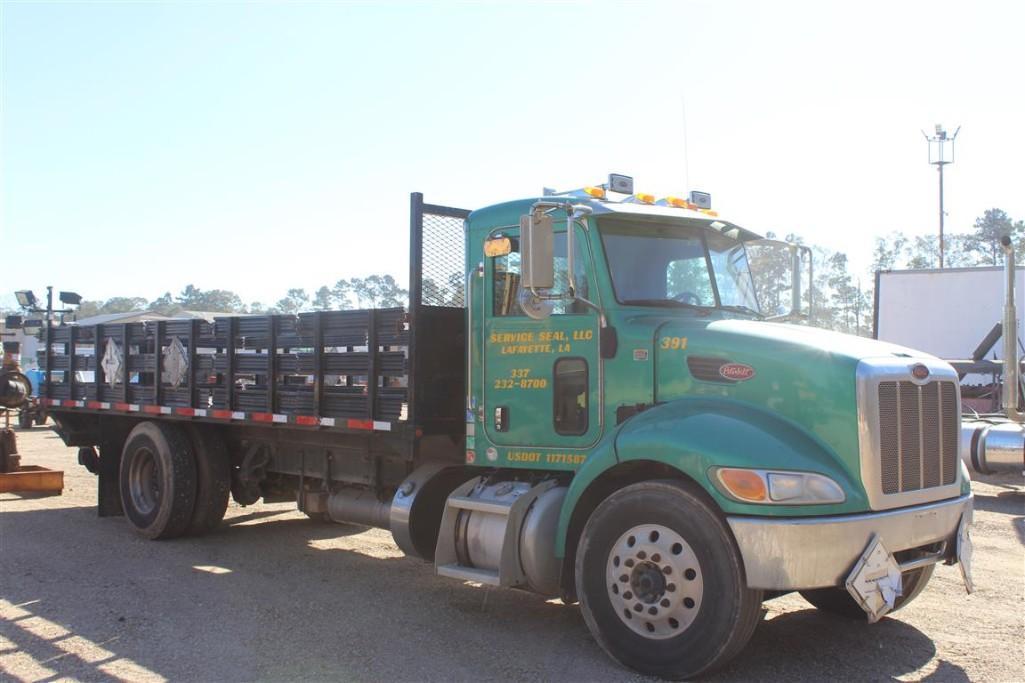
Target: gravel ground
274 596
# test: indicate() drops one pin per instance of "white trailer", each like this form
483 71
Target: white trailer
943 312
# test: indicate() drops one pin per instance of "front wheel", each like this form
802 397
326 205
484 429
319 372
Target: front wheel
661 583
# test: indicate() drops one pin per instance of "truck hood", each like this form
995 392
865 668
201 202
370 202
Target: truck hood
805 375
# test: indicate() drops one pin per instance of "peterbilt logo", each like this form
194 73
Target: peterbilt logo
737 372
919 371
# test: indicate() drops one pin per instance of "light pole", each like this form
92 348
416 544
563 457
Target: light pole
28 301
939 158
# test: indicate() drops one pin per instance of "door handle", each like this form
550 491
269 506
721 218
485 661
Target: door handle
502 418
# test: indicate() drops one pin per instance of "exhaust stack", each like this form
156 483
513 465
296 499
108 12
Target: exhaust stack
1012 365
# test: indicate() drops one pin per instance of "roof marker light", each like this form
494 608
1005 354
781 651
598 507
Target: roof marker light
645 198
679 202
596 192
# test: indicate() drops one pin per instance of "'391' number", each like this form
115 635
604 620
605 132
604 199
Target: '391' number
674 343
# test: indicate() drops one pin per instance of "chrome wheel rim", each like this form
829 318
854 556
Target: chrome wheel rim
654 581
144 481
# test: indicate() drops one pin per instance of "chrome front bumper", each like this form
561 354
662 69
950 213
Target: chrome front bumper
817 552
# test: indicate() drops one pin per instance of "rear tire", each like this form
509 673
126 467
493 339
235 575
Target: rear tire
158 480
661 583
839 602
213 474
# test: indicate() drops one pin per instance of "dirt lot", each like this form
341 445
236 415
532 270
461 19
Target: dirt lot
273 596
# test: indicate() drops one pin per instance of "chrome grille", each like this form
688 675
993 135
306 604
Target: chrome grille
918 427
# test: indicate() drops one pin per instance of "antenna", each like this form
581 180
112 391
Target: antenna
939 158
686 144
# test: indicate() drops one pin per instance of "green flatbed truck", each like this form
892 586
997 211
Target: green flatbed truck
581 400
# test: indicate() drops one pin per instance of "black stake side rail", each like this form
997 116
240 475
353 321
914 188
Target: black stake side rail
330 369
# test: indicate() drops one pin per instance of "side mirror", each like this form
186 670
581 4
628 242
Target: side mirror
537 251
608 342
794 256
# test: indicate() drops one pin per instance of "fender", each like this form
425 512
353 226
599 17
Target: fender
693 435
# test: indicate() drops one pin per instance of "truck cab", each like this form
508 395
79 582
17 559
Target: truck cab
642 358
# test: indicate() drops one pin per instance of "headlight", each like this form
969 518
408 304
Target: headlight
778 487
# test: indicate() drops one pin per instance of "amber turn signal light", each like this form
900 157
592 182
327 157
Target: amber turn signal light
743 484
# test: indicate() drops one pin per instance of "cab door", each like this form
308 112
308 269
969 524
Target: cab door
541 377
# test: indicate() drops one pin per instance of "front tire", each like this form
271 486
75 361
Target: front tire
25 419
661 583
838 601
158 480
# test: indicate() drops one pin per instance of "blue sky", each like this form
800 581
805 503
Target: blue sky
257 147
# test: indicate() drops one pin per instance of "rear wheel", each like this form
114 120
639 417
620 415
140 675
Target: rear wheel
661 583
158 480
838 601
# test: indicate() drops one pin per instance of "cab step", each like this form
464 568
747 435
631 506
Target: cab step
484 576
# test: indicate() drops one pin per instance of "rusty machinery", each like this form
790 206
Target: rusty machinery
14 392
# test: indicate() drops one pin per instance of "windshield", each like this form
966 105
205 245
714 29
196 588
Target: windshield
676 264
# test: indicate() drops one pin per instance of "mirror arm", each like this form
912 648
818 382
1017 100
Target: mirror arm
574 217
602 321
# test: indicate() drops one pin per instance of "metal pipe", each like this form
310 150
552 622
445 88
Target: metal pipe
1012 368
989 447
940 168
358 506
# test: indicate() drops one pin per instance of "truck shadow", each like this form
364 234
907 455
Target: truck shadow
1011 503
812 645
272 595
1005 502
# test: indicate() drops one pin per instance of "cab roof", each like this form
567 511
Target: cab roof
507 214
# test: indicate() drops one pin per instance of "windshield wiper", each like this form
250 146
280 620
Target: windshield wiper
740 308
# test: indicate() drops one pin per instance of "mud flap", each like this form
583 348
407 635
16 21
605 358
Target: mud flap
108 490
964 551
875 582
